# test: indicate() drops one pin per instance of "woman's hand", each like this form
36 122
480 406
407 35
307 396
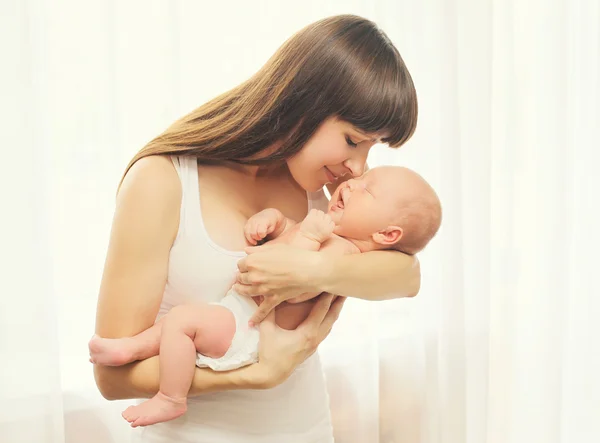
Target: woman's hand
281 351
279 273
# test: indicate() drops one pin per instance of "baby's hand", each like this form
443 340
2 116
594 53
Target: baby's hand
260 225
317 226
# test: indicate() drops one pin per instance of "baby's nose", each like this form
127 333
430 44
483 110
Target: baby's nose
355 185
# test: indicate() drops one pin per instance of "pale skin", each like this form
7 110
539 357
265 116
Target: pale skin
367 224
208 329
145 225
197 328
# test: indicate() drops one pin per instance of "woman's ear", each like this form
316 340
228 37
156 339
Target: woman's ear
388 236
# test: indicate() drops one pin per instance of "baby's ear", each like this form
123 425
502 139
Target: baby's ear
389 236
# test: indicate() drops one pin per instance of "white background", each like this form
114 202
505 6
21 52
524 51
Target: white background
500 346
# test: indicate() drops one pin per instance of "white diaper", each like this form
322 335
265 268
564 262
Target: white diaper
244 346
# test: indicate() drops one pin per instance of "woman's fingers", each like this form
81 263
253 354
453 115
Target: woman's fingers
248 290
331 316
243 278
281 350
269 320
318 313
242 289
242 264
266 307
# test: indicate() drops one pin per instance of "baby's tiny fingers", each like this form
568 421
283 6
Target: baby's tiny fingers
249 238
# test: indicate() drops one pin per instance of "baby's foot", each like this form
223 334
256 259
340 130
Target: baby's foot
156 410
111 351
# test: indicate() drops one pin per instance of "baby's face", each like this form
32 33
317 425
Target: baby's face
363 206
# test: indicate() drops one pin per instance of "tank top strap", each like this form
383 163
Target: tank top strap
317 200
187 170
190 216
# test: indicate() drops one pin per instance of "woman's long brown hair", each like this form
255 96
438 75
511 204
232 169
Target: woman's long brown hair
342 66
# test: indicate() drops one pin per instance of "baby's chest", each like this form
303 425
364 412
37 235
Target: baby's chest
339 245
225 222
225 218
335 244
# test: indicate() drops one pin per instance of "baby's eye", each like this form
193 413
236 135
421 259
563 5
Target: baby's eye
350 142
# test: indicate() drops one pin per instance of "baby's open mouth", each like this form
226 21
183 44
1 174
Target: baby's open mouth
339 204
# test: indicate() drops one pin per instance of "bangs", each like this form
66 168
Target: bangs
380 98
346 67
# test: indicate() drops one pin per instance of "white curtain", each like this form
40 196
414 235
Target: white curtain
500 346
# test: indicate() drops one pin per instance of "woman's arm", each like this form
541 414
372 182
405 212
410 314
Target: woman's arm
144 228
135 273
140 380
374 275
282 272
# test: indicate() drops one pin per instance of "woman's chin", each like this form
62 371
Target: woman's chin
306 182
312 187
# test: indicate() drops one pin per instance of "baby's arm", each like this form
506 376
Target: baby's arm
315 229
266 225
270 224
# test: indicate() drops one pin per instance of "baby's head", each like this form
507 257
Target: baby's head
389 207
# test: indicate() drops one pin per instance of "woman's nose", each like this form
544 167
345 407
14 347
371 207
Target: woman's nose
356 166
356 163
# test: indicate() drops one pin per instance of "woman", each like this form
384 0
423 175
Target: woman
306 119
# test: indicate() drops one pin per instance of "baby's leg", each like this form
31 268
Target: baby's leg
120 351
208 329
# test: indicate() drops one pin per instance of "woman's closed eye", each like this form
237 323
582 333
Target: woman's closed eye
350 142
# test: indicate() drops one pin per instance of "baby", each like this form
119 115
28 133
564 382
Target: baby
387 208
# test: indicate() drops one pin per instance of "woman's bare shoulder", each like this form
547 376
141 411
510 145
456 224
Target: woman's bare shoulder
151 191
143 230
155 173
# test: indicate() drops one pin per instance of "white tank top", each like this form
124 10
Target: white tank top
297 411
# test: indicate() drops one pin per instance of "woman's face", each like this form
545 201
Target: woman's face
337 148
